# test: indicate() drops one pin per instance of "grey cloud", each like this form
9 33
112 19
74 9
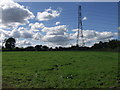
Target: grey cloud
14 14
56 35
92 36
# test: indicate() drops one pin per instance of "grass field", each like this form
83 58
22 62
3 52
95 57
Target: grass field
60 69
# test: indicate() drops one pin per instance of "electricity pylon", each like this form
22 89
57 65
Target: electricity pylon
80 28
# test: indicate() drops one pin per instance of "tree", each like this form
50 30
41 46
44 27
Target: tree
114 44
45 48
38 47
30 48
10 43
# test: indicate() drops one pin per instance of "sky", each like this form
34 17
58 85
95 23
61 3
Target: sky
55 23
67 0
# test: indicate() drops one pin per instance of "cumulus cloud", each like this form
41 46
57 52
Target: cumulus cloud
56 35
48 14
14 14
56 39
57 30
57 23
15 33
37 36
4 33
21 43
26 34
92 36
21 32
84 18
36 25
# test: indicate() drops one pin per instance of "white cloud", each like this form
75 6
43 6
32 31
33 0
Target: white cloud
21 32
26 34
23 43
15 33
92 36
57 23
57 30
3 34
57 35
36 25
37 36
14 14
85 18
48 14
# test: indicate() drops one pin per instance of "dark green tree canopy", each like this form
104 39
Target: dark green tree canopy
10 43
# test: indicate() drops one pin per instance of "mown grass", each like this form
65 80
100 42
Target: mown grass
60 69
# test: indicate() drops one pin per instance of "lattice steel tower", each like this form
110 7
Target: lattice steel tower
80 28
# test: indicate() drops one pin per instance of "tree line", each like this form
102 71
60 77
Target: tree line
112 45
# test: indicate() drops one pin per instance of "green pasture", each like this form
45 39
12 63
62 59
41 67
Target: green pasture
60 69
